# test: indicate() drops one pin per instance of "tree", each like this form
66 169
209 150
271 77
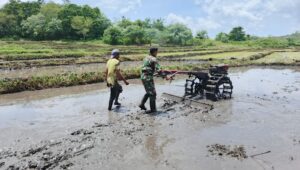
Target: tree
134 34
99 26
143 24
124 23
50 10
99 21
178 34
20 11
248 37
158 24
113 35
152 35
45 25
202 35
66 1
237 34
82 25
35 26
147 23
66 15
8 25
54 29
291 41
223 37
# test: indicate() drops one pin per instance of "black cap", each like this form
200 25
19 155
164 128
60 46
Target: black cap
153 49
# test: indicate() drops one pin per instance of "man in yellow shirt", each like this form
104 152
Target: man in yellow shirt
113 74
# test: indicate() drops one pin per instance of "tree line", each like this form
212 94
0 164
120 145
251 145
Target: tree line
37 20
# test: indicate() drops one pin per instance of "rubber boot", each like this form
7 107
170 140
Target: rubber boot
144 100
152 105
110 104
111 98
117 99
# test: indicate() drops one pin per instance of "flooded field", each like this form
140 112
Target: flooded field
70 127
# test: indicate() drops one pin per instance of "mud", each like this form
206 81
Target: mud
237 152
59 153
74 131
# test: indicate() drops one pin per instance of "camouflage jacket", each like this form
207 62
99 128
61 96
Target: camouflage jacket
149 68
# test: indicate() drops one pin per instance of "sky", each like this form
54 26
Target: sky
258 17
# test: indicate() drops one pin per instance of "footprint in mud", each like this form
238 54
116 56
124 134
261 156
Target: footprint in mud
290 89
67 166
82 131
7 154
168 103
51 155
175 109
296 142
2 164
237 152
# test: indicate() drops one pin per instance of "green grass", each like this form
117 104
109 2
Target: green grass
38 83
224 56
21 64
274 58
280 58
29 50
71 79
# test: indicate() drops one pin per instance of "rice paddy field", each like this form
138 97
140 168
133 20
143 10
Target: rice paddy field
226 56
28 65
285 58
53 103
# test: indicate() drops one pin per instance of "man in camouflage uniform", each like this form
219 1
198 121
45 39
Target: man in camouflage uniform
149 69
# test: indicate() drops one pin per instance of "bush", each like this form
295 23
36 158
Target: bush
134 35
177 34
113 35
269 43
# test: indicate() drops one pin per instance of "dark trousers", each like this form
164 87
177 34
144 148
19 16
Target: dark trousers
115 91
150 93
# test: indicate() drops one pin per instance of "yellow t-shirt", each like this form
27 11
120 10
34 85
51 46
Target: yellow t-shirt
112 67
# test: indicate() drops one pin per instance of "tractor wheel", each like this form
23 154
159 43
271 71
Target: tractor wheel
224 89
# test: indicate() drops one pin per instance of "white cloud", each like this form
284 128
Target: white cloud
195 24
256 16
245 9
254 11
2 2
120 6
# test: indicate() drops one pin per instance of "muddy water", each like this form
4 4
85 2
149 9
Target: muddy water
263 116
52 70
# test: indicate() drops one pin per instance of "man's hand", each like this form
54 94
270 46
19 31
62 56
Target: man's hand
126 82
120 76
170 77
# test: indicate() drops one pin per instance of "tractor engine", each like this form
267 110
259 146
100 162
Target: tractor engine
219 69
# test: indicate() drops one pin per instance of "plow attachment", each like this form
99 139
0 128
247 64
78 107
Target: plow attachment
190 102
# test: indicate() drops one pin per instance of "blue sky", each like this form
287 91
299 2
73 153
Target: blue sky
258 17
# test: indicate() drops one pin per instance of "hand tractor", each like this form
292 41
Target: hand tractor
213 84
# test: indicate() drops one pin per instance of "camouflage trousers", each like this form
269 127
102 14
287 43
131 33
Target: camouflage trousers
150 88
